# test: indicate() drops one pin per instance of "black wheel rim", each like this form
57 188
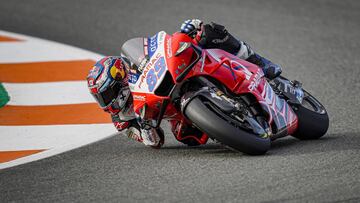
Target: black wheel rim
310 103
233 121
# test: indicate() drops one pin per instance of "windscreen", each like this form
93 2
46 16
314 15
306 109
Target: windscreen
134 50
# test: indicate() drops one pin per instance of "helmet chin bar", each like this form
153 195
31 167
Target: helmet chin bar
123 97
118 104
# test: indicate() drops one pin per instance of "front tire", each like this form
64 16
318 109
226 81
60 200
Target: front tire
313 120
223 131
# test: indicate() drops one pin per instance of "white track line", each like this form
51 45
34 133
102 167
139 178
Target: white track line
49 137
57 139
33 49
54 139
48 93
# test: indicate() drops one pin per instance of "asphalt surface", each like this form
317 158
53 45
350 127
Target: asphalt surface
317 42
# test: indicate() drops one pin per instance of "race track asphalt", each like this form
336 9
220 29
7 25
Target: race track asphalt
316 42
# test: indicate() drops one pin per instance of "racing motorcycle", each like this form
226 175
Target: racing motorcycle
225 97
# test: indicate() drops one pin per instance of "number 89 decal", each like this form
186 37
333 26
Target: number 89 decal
155 73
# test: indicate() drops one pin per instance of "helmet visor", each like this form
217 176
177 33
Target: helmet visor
105 97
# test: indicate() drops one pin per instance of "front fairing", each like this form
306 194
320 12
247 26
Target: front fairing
149 70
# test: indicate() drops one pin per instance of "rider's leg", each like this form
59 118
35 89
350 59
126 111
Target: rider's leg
216 36
270 69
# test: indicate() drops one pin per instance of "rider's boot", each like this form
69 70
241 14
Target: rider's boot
271 70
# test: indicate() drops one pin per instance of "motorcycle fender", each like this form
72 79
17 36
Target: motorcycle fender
210 95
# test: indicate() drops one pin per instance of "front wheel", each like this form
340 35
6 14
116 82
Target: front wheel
223 130
313 120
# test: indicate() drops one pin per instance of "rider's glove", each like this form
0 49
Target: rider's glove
190 27
151 136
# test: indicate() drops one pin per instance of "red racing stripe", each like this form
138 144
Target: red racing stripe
6 156
8 39
53 115
45 71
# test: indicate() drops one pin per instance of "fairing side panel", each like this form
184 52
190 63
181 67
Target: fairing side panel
247 78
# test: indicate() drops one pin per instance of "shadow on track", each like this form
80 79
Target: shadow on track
330 142
211 148
284 146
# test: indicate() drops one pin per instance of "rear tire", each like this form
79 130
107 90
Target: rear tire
221 130
313 120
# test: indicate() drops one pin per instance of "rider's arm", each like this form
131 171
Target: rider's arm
216 36
150 135
119 124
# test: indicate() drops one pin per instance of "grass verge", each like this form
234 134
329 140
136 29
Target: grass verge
4 96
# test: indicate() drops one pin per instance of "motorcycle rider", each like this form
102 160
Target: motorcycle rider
108 83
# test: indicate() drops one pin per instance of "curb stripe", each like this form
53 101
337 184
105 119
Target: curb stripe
40 51
53 115
6 156
80 135
50 110
45 71
8 39
48 93
19 138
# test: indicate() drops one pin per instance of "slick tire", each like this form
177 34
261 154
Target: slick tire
221 130
312 123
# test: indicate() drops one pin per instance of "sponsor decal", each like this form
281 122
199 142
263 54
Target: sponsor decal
183 46
147 68
117 72
108 62
102 78
161 36
255 82
133 78
139 98
155 73
181 66
94 71
168 48
142 64
152 45
218 41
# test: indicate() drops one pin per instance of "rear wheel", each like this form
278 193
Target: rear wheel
313 120
219 127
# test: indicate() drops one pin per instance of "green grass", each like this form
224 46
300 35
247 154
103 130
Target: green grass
4 97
